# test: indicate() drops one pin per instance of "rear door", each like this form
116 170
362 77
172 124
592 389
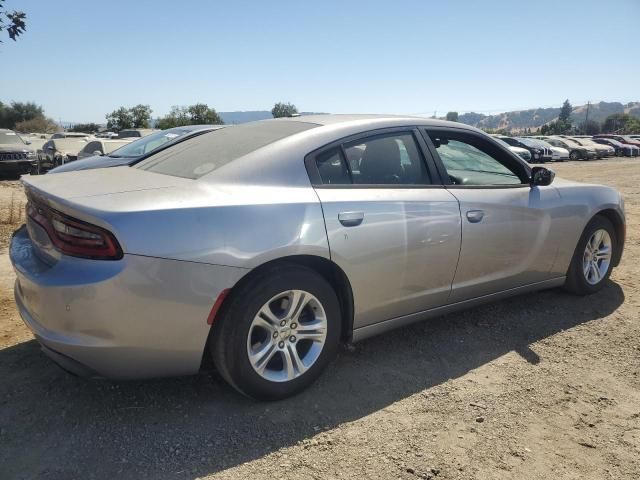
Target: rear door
393 230
507 237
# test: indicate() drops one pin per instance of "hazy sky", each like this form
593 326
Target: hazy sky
81 59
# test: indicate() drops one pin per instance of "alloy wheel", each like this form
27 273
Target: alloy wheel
597 256
287 336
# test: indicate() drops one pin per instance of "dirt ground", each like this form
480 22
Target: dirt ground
542 386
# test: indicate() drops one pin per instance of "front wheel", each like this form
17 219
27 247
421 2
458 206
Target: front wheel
574 155
277 332
592 260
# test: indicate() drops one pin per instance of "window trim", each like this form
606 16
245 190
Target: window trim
526 169
413 130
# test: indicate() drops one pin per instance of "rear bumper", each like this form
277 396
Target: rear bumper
68 364
138 317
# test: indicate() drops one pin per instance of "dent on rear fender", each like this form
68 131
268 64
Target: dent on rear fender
244 236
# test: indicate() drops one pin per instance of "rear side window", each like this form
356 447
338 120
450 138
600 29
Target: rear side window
203 154
332 168
388 159
93 147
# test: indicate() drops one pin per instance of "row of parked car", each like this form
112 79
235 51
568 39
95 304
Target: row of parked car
558 148
77 151
37 153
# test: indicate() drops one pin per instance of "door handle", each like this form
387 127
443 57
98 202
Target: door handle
351 219
475 216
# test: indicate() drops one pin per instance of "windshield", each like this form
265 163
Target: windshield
150 143
8 138
205 153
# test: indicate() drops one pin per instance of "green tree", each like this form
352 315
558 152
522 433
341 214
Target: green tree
198 114
141 116
282 109
85 127
565 112
590 127
452 116
13 21
39 124
119 119
177 117
18 112
201 114
555 128
622 123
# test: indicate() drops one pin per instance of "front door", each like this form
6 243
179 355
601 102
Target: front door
506 223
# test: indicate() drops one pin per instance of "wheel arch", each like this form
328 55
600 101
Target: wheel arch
620 228
329 270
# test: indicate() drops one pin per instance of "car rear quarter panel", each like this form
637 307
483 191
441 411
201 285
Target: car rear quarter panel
234 225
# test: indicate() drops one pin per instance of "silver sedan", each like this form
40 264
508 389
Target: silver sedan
266 244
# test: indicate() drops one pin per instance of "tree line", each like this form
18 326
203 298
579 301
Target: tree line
26 117
30 117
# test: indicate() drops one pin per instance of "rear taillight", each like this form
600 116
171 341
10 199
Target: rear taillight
75 237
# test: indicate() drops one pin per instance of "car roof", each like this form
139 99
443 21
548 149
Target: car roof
280 161
338 118
140 130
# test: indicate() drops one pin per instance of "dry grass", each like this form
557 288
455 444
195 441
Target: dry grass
11 216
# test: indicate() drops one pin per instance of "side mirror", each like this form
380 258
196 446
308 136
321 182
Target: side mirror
541 176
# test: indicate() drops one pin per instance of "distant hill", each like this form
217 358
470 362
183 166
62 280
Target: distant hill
536 117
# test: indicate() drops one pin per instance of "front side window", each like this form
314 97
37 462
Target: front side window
392 159
469 160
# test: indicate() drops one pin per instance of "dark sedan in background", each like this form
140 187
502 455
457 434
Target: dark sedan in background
138 149
622 149
16 157
538 153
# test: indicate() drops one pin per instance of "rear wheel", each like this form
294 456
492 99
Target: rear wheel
592 260
277 332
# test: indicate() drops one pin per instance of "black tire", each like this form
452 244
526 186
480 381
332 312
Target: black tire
574 155
576 282
228 342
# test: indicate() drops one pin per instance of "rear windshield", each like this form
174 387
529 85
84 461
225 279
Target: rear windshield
203 154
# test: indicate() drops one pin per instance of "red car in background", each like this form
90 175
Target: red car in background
627 139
